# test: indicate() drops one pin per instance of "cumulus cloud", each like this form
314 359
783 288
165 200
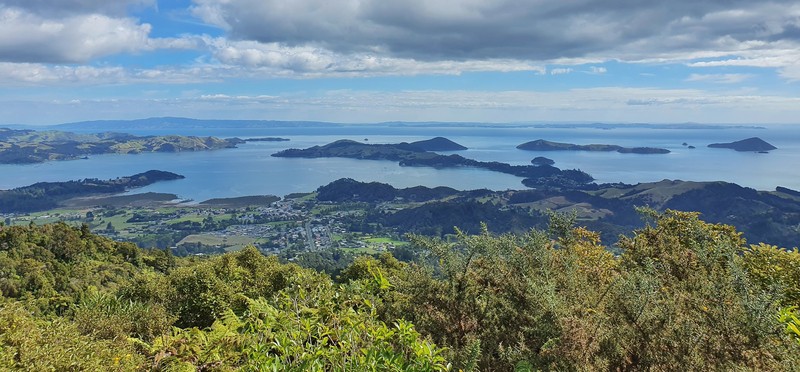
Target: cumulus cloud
26 37
370 37
276 59
511 29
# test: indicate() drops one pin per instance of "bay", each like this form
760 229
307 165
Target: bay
250 170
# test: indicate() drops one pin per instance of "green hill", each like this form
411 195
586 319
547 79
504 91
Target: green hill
29 146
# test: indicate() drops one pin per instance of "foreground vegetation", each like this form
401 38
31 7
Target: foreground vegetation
684 294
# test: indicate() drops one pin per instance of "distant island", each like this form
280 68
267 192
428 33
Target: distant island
541 160
754 144
544 145
438 144
42 196
407 154
24 146
266 139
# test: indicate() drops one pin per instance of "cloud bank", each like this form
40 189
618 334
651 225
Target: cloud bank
512 29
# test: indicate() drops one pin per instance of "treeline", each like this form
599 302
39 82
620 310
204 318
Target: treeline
683 295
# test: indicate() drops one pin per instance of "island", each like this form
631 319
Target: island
544 145
753 144
26 146
266 139
48 195
541 160
407 154
438 144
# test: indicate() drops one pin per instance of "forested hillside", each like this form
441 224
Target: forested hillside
683 295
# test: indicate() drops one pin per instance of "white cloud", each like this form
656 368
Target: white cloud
29 37
40 74
26 37
35 73
576 104
560 71
597 70
791 73
720 78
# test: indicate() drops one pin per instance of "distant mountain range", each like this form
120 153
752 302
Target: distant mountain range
189 123
182 123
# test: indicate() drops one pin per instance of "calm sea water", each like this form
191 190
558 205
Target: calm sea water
250 170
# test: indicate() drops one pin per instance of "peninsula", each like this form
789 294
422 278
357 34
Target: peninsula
754 144
30 146
544 145
48 195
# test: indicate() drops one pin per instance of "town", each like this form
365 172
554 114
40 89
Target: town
293 224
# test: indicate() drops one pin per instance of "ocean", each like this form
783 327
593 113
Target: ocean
250 170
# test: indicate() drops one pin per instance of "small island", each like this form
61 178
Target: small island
753 144
541 160
438 144
30 146
544 145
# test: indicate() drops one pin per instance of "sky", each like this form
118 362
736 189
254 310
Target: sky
362 61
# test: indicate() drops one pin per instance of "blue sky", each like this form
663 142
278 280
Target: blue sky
717 61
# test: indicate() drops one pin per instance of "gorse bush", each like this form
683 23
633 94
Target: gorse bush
682 295
30 343
309 327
